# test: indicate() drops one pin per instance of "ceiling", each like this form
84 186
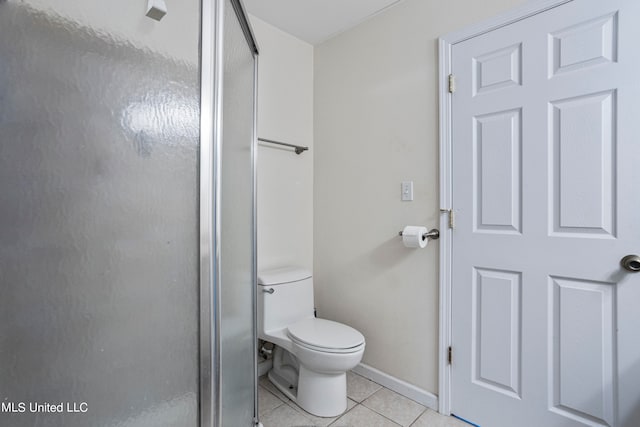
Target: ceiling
315 21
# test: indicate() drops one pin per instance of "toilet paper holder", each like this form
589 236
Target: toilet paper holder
433 234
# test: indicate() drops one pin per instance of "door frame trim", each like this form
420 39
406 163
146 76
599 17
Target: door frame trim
445 45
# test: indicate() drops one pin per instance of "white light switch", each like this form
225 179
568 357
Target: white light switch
407 191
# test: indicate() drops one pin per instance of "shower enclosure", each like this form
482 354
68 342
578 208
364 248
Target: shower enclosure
127 214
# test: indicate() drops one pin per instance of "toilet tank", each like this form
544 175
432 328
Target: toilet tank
290 301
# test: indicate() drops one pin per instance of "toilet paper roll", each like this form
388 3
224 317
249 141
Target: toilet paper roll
412 236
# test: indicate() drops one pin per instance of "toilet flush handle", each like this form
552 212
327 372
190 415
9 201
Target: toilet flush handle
269 291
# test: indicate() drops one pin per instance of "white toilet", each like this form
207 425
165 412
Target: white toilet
312 355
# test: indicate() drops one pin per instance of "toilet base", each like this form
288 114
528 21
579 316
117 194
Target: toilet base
323 395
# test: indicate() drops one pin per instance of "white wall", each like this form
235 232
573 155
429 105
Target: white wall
285 180
375 126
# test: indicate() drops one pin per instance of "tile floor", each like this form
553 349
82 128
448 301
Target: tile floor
369 405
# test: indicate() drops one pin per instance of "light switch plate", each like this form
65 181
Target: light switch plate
407 191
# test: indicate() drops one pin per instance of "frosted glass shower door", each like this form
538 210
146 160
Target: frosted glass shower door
99 158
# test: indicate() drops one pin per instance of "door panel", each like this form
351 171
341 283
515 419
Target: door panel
582 340
497 330
498 166
584 44
544 128
498 69
583 165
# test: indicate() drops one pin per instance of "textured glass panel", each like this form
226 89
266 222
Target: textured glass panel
98 215
236 327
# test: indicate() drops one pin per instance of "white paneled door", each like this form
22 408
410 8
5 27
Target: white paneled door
546 190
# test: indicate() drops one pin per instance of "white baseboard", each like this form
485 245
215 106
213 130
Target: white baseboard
410 391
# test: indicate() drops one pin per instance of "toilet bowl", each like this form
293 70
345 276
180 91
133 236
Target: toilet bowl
312 355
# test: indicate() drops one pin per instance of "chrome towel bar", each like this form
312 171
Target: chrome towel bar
298 148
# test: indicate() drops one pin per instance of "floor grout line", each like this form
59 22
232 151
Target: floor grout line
335 423
391 419
345 413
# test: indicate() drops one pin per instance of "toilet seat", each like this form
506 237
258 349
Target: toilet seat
325 336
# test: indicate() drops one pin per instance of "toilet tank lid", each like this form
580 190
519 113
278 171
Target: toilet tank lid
279 276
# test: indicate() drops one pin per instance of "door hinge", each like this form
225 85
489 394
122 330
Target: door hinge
450 355
452 83
451 217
